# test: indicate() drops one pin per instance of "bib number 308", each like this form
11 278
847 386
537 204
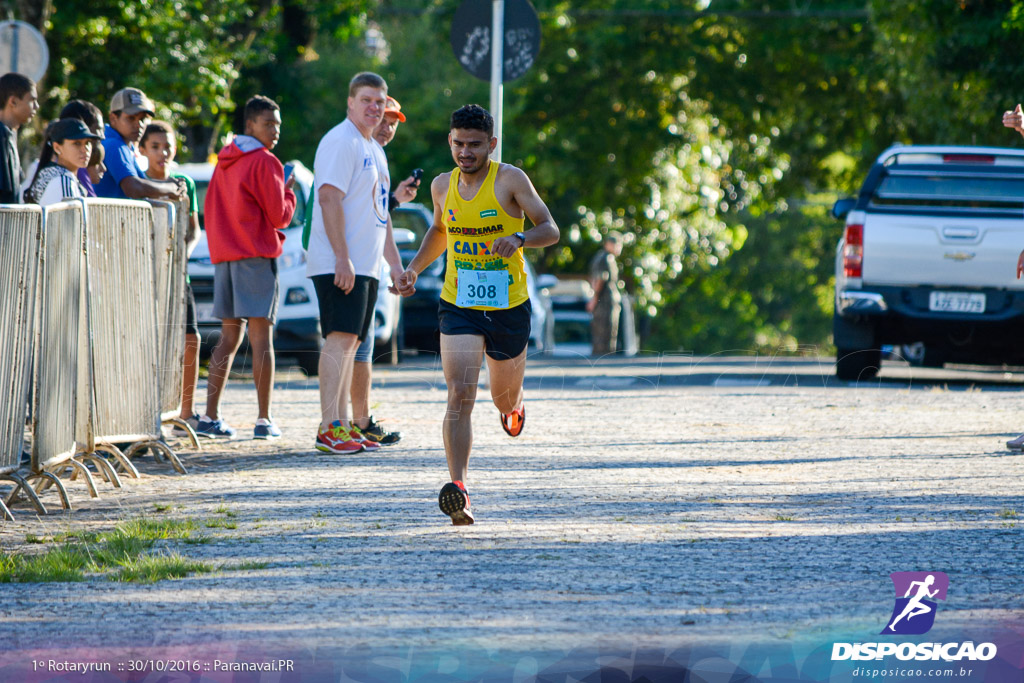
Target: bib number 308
482 288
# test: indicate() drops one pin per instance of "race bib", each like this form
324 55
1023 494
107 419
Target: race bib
482 288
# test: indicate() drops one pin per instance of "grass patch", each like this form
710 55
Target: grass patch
220 524
121 554
153 568
32 538
783 518
162 507
245 566
226 511
1008 514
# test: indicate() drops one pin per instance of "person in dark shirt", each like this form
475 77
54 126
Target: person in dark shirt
18 104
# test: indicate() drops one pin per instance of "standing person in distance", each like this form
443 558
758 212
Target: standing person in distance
130 112
1015 119
349 233
66 150
605 306
248 203
159 146
362 368
479 211
18 104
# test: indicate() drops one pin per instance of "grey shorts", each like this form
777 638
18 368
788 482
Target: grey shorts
245 289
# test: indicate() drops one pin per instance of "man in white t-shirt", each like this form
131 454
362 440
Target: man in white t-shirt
350 232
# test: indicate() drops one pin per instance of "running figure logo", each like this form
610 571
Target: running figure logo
914 611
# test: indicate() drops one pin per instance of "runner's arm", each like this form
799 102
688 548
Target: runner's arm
544 231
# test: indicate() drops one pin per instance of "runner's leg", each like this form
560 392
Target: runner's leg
261 339
461 356
506 378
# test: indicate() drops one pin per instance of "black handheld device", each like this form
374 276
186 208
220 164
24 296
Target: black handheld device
417 174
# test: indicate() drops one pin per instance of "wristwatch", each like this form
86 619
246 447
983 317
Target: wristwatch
522 238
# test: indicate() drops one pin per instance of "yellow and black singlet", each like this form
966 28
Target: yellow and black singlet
476 278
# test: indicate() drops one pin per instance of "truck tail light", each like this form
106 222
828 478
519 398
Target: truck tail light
853 251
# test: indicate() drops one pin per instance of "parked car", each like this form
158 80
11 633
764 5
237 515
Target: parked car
927 260
297 332
419 311
569 299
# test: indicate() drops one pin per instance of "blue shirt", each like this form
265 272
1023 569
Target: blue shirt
121 163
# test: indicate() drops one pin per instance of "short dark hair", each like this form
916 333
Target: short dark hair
14 85
473 117
86 112
365 79
159 127
256 105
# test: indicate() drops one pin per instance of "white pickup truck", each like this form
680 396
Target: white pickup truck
928 260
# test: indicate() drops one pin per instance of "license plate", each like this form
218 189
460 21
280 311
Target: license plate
956 302
204 313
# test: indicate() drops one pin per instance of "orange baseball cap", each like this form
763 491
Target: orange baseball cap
393 107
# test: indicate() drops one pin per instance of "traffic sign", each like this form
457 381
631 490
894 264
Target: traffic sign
471 38
23 50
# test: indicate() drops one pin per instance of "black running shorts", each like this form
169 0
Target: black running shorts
506 332
350 313
191 325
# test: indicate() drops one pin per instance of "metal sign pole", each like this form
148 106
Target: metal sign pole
497 59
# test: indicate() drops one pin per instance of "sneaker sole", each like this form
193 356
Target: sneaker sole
267 436
328 449
453 503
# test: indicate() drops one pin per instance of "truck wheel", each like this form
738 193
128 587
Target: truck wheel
857 364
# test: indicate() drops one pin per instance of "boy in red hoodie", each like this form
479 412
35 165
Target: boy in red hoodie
248 202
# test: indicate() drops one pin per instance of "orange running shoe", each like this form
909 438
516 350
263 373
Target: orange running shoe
514 421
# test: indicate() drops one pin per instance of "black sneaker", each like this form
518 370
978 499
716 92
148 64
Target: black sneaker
376 433
454 502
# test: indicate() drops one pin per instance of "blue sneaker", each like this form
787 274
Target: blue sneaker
214 429
265 429
193 422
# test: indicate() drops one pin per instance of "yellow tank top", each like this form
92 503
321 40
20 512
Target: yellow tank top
472 225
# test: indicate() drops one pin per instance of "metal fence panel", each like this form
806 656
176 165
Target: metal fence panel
20 228
171 262
124 404
58 307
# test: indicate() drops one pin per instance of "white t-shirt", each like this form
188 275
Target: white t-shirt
357 167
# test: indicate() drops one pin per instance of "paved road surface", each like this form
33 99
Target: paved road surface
650 502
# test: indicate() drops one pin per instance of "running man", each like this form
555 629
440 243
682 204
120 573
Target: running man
485 307
915 607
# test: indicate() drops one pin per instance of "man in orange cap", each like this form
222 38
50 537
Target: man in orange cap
362 369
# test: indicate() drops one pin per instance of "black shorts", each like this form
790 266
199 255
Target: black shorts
191 326
350 313
506 332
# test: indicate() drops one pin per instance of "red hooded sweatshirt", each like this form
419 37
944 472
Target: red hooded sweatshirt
247 203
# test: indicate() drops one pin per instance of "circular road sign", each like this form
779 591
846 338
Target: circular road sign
471 38
23 50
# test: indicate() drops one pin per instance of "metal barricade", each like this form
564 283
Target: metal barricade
171 223
56 365
20 230
121 403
